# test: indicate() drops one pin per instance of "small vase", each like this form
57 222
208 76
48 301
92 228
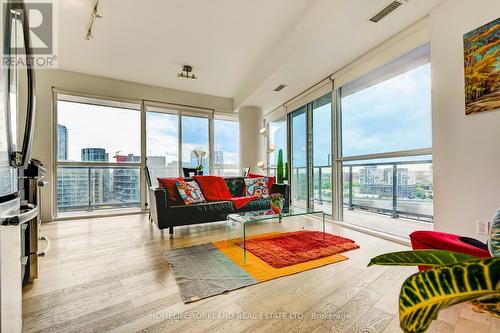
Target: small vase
277 207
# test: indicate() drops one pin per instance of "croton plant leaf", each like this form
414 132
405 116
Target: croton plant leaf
425 293
420 257
489 304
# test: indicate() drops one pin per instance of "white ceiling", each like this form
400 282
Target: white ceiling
148 41
239 49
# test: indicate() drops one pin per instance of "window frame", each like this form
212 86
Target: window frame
142 107
91 165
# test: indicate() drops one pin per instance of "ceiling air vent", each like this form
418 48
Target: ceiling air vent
280 87
386 11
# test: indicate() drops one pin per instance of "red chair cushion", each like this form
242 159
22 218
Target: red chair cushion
433 240
444 241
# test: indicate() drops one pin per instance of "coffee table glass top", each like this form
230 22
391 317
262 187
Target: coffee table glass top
261 215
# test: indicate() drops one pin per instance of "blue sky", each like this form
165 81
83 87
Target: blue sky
389 116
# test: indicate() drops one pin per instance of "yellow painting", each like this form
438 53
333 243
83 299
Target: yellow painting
482 68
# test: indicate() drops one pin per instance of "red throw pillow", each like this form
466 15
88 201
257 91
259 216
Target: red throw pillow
270 180
169 184
214 188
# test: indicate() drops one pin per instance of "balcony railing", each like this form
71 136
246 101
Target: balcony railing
394 188
85 188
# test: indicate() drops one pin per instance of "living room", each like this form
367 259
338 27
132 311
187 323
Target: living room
250 166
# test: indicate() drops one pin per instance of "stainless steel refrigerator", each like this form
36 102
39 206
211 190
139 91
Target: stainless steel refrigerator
17 117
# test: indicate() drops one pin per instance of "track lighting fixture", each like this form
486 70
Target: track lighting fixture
93 15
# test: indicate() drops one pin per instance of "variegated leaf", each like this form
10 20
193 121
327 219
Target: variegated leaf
424 294
420 257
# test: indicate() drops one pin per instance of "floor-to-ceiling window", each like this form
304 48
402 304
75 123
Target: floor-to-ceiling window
277 141
162 144
386 144
195 141
103 144
299 178
322 153
311 147
226 147
98 154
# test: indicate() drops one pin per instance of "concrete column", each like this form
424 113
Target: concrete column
252 143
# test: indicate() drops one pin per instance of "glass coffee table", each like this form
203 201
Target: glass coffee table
244 218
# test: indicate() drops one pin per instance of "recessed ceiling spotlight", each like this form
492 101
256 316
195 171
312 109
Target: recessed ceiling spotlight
187 73
280 87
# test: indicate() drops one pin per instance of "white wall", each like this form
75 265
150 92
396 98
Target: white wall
466 148
76 82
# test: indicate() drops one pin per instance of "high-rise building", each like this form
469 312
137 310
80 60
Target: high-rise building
126 181
77 187
62 143
219 157
94 155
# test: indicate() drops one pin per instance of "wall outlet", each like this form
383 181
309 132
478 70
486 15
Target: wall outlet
483 227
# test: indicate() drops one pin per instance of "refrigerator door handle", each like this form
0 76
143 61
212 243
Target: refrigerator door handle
21 159
31 99
30 212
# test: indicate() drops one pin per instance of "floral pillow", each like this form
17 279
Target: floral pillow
257 186
190 192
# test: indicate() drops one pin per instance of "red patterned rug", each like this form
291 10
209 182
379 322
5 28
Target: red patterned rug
290 248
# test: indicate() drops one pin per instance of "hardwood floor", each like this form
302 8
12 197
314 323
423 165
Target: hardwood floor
108 275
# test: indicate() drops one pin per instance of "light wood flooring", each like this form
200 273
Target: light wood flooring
108 275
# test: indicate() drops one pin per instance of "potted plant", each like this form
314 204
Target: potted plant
452 278
200 155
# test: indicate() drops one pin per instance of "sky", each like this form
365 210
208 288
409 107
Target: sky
115 130
390 116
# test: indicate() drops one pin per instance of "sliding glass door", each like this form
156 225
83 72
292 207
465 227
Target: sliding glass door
162 147
195 137
311 160
322 153
299 176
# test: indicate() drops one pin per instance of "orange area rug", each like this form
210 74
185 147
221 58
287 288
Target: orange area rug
262 271
291 248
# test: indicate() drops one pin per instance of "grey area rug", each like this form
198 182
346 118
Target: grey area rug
202 271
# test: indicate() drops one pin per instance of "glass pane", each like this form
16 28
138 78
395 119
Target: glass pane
94 133
195 139
162 145
226 154
369 187
392 115
87 189
299 158
277 137
322 150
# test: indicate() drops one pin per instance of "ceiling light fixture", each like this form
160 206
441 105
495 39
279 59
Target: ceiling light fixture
93 15
187 73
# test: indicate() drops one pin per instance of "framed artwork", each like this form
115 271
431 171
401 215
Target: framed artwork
482 68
